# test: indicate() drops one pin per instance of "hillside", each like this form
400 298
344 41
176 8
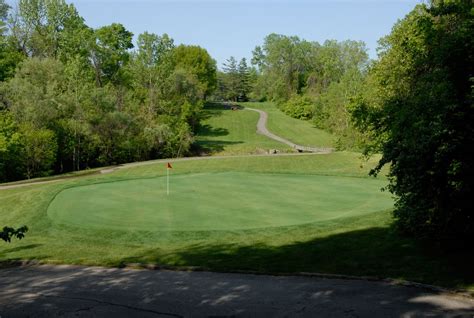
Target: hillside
298 131
224 131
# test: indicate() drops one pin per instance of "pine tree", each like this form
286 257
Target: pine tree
244 80
232 81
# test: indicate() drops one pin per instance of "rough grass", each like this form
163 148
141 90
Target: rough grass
298 131
356 245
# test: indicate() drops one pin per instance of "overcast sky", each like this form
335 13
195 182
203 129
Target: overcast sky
232 27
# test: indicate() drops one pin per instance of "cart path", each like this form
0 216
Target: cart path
262 129
106 170
72 291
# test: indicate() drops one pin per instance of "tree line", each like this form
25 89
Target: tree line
73 97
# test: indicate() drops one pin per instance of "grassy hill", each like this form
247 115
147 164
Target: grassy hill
298 131
230 132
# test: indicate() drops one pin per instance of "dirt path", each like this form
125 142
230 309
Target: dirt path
76 291
262 129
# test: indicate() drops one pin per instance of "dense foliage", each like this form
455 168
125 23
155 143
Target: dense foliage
235 81
420 113
74 97
307 80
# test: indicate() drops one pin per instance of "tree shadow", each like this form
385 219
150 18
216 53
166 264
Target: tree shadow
209 147
209 131
375 252
213 109
19 248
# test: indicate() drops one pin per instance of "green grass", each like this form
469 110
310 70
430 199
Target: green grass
298 131
356 243
227 132
217 201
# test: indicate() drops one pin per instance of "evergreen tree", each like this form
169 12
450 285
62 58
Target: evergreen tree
231 81
244 80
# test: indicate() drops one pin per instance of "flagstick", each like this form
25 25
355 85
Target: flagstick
167 181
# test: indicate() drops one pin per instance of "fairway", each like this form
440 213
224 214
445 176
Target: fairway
217 201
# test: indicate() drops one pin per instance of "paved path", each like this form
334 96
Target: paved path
75 291
106 170
262 129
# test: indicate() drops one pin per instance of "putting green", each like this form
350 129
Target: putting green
217 201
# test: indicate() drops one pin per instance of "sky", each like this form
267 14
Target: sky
235 27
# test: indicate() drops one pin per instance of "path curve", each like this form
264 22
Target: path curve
262 129
78 291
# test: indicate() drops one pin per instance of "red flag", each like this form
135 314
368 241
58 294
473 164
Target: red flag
169 166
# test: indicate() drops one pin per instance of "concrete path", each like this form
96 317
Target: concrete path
262 129
74 291
106 170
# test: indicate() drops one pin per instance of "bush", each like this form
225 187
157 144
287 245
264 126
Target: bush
300 107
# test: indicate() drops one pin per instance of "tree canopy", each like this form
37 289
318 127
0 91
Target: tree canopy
420 114
73 97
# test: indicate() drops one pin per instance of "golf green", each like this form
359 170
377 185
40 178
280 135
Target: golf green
217 201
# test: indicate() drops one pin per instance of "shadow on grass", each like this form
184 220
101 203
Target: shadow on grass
376 252
213 110
209 131
210 147
7 261
18 248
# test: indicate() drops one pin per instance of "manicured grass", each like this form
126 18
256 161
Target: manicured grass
217 201
356 244
298 131
229 132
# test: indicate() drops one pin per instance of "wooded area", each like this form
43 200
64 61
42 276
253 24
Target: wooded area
74 97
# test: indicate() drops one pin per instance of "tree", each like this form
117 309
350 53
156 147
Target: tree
244 80
11 159
421 116
331 109
197 61
44 28
231 79
35 93
39 151
109 53
9 56
8 233
152 48
283 60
